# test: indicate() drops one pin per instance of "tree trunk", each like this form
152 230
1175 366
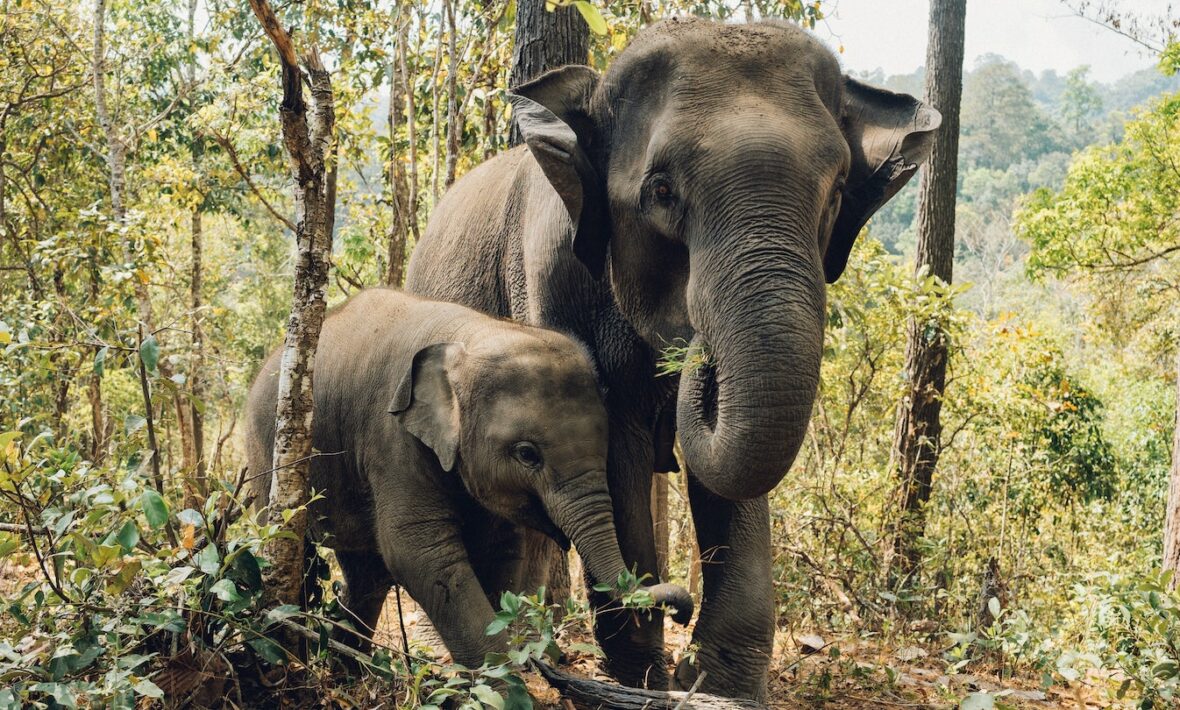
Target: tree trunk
454 129
545 40
98 426
411 130
399 189
308 140
196 484
918 431
1172 516
659 519
116 159
197 467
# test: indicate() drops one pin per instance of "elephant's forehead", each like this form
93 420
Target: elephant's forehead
544 412
700 48
535 375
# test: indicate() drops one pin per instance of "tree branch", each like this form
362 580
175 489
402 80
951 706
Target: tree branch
236 161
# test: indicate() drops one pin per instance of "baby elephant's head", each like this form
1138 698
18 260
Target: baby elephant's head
519 416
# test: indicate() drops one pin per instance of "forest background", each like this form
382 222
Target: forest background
145 271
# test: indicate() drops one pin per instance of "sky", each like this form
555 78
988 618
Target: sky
1036 34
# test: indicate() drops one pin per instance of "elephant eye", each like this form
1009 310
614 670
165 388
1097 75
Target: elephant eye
528 454
661 190
837 189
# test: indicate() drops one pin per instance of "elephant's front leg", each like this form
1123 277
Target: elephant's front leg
633 644
734 633
432 563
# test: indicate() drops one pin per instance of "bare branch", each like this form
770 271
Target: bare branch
235 159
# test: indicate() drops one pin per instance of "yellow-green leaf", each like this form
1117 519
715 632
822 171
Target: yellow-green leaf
592 16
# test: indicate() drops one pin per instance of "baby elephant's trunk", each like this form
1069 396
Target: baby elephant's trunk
588 519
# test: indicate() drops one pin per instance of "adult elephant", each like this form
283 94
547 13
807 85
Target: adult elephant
702 192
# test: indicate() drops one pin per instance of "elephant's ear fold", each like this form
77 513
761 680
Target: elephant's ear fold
425 402
553 115
890 135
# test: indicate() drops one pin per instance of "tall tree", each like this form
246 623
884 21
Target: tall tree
309 140
545 40
398 181
1002 123
919 429
190 417
1080 103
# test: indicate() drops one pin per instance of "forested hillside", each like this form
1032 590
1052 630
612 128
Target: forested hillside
148 221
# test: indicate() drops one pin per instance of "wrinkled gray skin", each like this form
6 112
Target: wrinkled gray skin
442 433
702 192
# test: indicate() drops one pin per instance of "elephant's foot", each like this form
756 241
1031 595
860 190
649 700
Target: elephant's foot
735 668
634 651
648 669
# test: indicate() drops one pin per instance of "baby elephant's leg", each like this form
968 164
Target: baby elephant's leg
441 580
366 584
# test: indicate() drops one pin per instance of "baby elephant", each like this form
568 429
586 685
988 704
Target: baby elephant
440 432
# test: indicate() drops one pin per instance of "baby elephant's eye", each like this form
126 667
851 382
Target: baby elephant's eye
528 454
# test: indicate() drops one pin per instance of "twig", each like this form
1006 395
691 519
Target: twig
236 161
596 693
691 691
157 477
22 529
50 579
332 643
401 620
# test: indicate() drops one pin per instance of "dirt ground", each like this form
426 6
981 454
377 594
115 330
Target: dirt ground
843 673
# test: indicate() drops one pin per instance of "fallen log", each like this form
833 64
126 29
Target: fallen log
600 695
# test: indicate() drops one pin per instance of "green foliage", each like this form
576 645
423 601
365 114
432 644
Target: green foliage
108 551
1114 210
1170 59
678 359
1080 105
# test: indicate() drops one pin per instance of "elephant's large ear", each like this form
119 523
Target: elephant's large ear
425 403
553 115
890 136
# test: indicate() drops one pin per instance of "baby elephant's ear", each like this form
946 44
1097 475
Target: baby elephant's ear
425 402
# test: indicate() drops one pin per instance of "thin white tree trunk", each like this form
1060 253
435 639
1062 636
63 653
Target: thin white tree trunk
453 128
399 189
411 128
435 152
116 158
193 435
308 139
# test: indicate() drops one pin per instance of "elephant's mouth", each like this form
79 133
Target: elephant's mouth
533 515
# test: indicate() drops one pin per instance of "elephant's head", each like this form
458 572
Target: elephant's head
722 173
517 413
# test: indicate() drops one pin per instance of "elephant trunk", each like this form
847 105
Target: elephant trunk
587 517
753 370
